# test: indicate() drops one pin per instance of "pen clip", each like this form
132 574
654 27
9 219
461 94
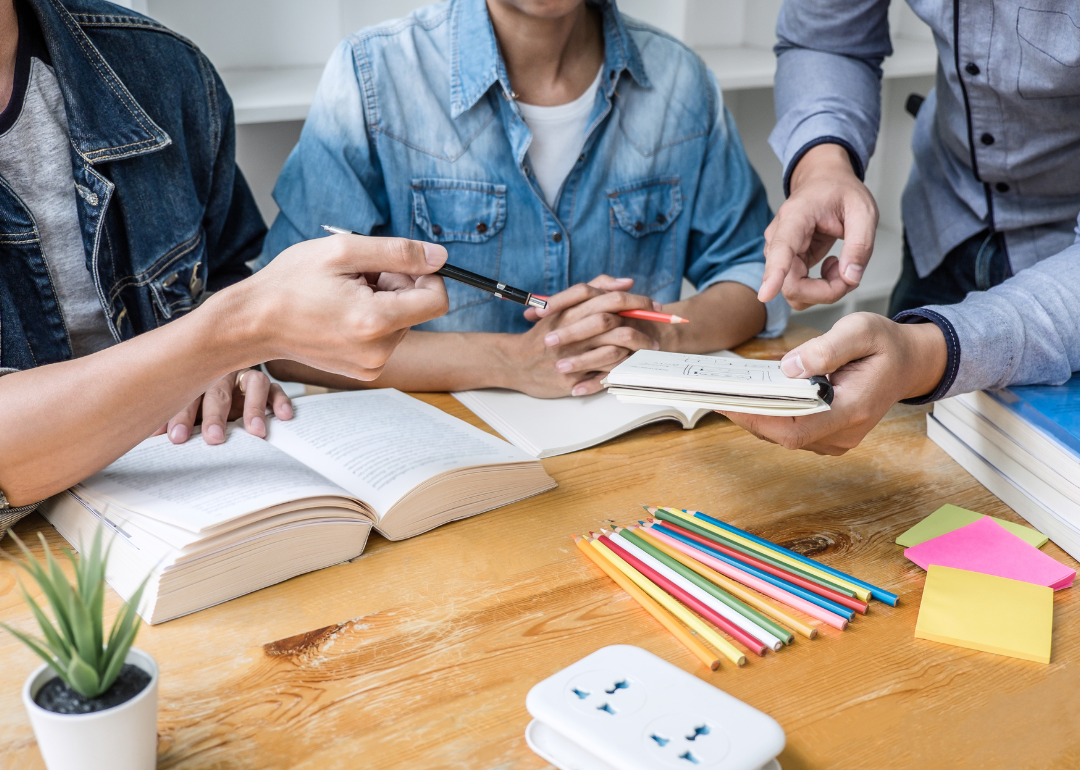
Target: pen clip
825 389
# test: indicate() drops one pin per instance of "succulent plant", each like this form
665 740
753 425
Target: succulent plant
75 647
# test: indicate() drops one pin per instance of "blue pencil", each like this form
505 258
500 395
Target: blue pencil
878 593
799 591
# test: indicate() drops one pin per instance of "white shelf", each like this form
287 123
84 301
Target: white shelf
268 95
743 67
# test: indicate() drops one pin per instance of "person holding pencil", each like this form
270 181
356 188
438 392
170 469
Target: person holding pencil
555 147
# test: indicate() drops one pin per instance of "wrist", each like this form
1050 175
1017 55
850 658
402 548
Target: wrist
927 358
824 159
504 362
233 329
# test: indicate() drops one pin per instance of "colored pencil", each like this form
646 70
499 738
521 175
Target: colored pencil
650 606
782 574
644 315
735 573
703 629
878 593
698 606
732 587
634 535
810 581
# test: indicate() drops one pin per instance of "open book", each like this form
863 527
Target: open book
704 382
546 427
215 522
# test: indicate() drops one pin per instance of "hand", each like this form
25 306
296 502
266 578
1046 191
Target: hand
827 202
872 363
247 392
578 338
341 303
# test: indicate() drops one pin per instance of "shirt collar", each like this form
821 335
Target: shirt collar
105 121
477 65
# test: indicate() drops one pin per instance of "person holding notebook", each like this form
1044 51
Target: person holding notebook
557 145
121 212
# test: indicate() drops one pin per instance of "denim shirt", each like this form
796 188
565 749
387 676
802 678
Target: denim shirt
994 146
165 213
414 132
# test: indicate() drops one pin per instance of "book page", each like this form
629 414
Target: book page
197 486
380 444
682 371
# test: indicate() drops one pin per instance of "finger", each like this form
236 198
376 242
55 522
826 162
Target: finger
179 427
860 226
385 313
364 254
602 359
790 236
160 431
610 303
588 387
607 283
625 339
217 401
801 291
280 403
568 298
788 432
256 394
851 338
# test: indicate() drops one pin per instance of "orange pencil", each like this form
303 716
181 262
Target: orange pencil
645 315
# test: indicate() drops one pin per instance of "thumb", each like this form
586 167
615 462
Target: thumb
849 340
365 254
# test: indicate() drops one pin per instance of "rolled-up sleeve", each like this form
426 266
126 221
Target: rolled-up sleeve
828 78
727 241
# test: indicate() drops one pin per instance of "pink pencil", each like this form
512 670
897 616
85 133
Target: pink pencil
644 315
757 584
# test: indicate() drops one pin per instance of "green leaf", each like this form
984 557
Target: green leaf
83 678
38 649
126 625
82 624
53 640
60 601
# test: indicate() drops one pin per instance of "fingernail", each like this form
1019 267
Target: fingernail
214 433
179 434
434 254
792 365
579 390
563 366
655 345
657 306
286 412
551 340
853 273
258 426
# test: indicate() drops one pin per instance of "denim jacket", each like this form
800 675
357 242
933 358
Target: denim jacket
165 214
414 132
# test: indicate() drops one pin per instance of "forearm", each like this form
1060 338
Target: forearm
723 316
424 362
63 422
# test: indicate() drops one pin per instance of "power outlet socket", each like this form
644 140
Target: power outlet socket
623 708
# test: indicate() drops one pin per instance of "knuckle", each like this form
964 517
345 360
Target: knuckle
400 251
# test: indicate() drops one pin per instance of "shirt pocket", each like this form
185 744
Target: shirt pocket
1049 54
643 233
179 281
467 218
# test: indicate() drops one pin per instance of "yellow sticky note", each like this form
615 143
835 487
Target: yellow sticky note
988 613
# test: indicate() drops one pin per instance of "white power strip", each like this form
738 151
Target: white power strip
623 708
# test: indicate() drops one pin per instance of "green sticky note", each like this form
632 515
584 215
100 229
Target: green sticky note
950 517
986 612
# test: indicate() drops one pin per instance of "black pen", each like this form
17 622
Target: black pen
499 289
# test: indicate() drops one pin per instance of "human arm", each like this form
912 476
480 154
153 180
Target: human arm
828 107
323 303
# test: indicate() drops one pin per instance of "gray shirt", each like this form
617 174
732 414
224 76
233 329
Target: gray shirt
35 160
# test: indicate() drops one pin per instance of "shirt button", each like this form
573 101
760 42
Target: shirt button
581 158
987 139
557 237
611 75
661 219
481 227
972 68
1002 187
639 226
436 229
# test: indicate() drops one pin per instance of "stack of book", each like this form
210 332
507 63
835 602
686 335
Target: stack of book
1023 444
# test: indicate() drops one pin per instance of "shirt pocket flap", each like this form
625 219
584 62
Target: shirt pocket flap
647 207
448 210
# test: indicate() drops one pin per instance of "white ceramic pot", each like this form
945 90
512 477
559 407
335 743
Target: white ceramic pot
121 738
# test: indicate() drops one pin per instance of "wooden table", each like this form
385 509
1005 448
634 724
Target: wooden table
420 653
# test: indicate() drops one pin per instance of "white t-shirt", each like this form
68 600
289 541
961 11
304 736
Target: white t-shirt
558 137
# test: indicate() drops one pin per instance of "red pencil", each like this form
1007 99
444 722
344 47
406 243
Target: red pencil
783 574
645 315
692 602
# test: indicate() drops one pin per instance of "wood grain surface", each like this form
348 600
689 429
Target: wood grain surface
420 653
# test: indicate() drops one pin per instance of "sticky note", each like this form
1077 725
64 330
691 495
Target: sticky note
985 546
988 613
950 517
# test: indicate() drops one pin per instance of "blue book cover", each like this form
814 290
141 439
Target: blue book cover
1053 409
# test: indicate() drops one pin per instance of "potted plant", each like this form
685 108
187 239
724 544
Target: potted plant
93 703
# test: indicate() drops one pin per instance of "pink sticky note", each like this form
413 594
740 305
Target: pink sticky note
987 547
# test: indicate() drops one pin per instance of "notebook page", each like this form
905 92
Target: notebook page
196 486
683 371
380 444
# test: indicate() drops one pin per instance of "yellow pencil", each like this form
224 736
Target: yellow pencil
862 593
731 586
700 650
703 630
